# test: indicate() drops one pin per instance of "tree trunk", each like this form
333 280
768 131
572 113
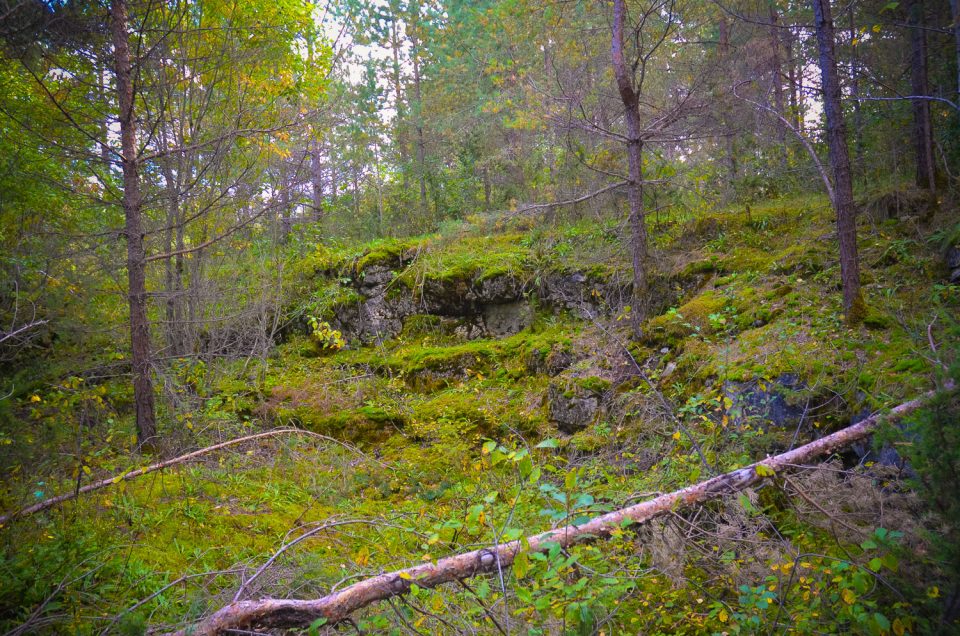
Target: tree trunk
316 180
793 81
776 76
337 606
400 124
334 181
172 274
286 179
853 305
922 125
955 13
486 188
858 166
418 106
136 256
631 107
730 149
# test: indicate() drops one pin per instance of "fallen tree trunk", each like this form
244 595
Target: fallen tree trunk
337 606
146 470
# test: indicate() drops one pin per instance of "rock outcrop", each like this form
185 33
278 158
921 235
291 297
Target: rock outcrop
494 306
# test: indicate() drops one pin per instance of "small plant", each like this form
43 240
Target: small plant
328 338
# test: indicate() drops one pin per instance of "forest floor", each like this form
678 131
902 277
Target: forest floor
445 433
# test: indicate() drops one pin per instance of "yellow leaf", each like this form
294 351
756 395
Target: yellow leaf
848 596
934 592
86 470
898 627
34 398
723 616
676 436
765 471
362 556
405 576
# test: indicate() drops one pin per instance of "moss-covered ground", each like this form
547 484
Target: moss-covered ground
436 444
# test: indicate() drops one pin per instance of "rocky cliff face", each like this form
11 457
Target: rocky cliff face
494 306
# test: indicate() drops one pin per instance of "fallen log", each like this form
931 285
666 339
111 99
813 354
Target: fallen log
146 470
337 606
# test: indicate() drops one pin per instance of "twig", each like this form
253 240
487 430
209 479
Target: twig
306 535
813 503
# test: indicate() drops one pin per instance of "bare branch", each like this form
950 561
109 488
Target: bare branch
104 483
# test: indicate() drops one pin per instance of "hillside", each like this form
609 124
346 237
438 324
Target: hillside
461 389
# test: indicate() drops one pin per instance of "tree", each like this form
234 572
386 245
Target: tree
919 89
146 417
630 95
843 205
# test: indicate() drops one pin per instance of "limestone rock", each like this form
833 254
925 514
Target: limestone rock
574 404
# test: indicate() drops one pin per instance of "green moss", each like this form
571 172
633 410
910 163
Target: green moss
361 425
876 320
691 317
421 325
858 311
745 259
391 252
594 384
801 258
474 258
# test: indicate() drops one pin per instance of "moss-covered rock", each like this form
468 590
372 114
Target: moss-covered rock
575 403
364 425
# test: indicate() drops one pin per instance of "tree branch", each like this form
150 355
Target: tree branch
806 143
580 199
104 483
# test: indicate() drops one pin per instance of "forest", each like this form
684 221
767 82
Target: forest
463 317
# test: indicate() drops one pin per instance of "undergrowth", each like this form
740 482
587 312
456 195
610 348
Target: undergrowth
451 446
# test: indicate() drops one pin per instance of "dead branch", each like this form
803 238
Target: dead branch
580 199
337 606
146 470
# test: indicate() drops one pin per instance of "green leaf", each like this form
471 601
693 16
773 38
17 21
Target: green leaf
548 443
534 475
882 621
314 628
